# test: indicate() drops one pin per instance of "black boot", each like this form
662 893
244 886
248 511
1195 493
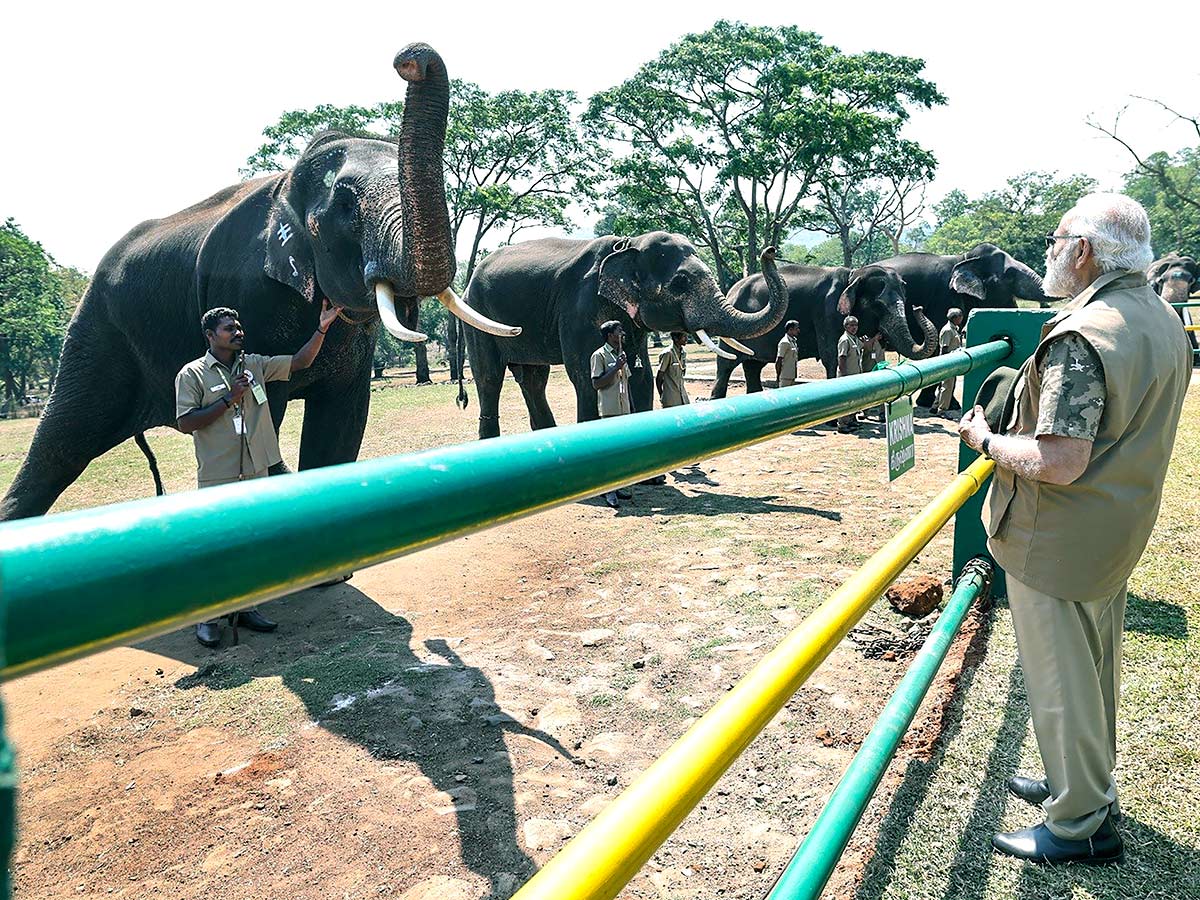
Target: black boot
1031 790
209 634
1040 845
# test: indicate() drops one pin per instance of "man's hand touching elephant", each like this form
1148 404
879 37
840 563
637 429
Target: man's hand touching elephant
304 357
329 314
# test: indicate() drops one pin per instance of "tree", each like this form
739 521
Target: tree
514 160
32 308
1167 185
727 133
1015 218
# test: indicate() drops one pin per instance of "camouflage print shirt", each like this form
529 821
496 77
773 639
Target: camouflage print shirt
1073 391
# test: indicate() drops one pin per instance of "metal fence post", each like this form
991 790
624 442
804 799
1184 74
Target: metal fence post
1023 329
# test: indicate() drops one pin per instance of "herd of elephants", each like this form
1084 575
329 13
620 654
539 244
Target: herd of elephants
363 222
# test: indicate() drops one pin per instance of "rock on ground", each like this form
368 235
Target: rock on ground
917 597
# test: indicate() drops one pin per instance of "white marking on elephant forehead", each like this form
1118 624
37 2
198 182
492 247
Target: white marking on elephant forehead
284 233
295 271
329 178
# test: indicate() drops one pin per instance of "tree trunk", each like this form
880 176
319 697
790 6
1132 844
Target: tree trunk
422 364
847 250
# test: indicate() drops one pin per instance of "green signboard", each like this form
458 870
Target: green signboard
901 446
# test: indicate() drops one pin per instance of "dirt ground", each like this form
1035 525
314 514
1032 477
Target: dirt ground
436 728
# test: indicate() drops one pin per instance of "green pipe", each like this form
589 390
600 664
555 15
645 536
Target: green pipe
1189 303
83 581
806 875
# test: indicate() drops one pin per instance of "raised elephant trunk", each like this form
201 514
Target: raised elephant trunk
727 321
427 262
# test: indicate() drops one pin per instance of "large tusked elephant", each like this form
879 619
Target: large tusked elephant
342 224
1174 277
985 276
560 291
819 298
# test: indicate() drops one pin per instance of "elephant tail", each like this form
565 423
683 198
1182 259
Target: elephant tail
140 440
459 356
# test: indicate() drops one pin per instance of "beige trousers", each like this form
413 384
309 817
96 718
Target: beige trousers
1071 657
945 393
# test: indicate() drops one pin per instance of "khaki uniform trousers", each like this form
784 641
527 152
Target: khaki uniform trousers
1071 657
945 393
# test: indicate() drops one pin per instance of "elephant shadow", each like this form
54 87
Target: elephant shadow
352 665
668 500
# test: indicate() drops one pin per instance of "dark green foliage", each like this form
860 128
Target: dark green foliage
37 298
1014 218
727 133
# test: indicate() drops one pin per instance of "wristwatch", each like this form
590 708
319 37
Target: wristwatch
985 446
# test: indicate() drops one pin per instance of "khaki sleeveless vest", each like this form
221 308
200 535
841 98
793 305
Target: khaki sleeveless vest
1081 541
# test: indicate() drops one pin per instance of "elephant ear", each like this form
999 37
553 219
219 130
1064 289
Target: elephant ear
964 281
853 292
288 256
617 278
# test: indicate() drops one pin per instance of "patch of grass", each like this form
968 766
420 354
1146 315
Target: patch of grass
602 700
705 650
775 552
609 566
933 842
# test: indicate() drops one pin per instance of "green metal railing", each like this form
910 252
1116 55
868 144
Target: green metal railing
810 869
122 573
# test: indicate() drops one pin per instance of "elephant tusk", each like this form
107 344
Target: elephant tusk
475 319
708 342
385 299
736 345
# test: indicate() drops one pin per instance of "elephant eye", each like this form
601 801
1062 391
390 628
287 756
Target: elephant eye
679 284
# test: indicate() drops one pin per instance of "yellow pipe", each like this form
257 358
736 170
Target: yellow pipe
1191 327
602 858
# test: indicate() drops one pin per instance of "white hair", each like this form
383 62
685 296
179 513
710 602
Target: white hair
1117 228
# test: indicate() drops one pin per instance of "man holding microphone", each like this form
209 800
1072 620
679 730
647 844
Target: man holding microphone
221 401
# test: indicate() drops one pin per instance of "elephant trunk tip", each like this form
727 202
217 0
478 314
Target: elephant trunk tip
415 61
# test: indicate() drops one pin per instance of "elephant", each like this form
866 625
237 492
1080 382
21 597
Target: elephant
344 223
819 298
1174 277
560 291
985 276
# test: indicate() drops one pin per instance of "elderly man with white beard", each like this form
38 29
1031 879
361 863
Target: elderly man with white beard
1080 465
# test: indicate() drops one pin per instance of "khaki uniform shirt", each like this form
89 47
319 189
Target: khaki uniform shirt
948 338
788 353
221 455
672 365
874 357
614 399
850 347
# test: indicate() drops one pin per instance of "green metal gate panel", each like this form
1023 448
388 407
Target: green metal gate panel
1023 328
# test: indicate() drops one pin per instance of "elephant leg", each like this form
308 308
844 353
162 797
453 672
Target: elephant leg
587 407
753 369
725 368
533 381
925 398
335 419
487 369
95 406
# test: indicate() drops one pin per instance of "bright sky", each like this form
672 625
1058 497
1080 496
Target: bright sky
118 112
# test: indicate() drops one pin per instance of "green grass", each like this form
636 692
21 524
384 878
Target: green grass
705 650
934 838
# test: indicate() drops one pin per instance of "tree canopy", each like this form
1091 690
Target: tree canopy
1015 217
726 135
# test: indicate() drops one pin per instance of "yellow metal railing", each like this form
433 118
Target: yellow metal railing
602 858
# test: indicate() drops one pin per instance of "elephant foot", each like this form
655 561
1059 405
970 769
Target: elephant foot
280 468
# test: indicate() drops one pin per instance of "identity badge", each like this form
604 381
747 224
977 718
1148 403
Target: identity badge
239 424
259 392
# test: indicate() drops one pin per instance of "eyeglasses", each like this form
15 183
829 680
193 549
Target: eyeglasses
1051 238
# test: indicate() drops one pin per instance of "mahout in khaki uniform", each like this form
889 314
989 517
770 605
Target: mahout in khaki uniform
949 340
849 361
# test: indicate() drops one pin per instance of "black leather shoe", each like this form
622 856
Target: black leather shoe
335 581
624 495
611 499
1040 845
1031 790
256 621
657 479
209 634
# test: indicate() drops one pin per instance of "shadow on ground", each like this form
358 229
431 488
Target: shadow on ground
1156 617
352 665
668 500
1155 864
